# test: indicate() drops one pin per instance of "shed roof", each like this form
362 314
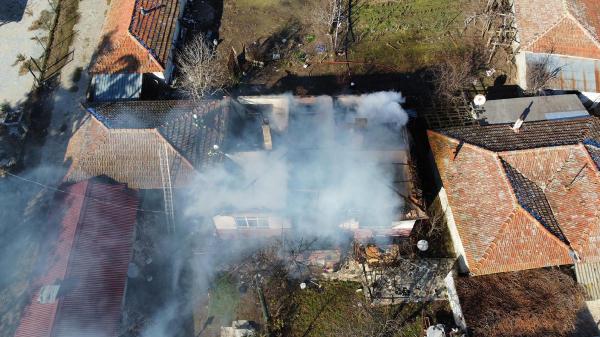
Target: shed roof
116 87
89 262
537 108
525 203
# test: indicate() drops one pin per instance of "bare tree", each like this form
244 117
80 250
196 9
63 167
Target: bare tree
201 71
457 73
541 73
333 16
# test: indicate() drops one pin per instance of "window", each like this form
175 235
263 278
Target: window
48 293
251 222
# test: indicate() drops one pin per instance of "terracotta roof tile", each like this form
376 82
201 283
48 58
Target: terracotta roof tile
480 211
500 137
594 151
520 207
567 38
574 193
568 27
133 156
134 42
532 199
153 24
522 244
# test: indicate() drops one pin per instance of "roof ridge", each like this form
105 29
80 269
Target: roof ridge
549 222
158 134
488 249
148 50
562 165
542 34
571 10
513 197
585 30
85 149
518 209
464 142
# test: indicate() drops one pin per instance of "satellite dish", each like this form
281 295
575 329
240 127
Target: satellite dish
479 100
423 245
302 285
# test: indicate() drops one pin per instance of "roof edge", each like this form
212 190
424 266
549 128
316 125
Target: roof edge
458 141
588 157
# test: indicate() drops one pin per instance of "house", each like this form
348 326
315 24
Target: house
81 289
147 144
559 33
523 199
138 38
317 161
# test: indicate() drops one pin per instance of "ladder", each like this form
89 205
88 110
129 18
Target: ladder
165 175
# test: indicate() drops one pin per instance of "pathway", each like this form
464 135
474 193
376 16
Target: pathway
17 39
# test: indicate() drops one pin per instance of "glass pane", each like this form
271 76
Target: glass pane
252 222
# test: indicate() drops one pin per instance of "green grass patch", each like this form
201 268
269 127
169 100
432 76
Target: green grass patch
224 299
408 34
340 310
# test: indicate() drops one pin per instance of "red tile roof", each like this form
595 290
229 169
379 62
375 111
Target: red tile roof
90 261
512 208
125 140
133 42
131 156
567 27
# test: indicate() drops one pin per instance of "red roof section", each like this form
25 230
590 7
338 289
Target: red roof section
497 232
136 43
90 261
566 27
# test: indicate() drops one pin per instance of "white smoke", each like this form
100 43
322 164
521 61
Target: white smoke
319 171
383 107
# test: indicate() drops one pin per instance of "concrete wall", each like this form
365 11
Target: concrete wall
457 245
459 318
520 60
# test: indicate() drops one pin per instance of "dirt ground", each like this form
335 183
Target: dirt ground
396 38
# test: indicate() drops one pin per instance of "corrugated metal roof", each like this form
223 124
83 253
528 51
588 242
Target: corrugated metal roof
90 262
115 87
588 275
575 74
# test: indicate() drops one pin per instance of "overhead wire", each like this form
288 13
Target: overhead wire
80 195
